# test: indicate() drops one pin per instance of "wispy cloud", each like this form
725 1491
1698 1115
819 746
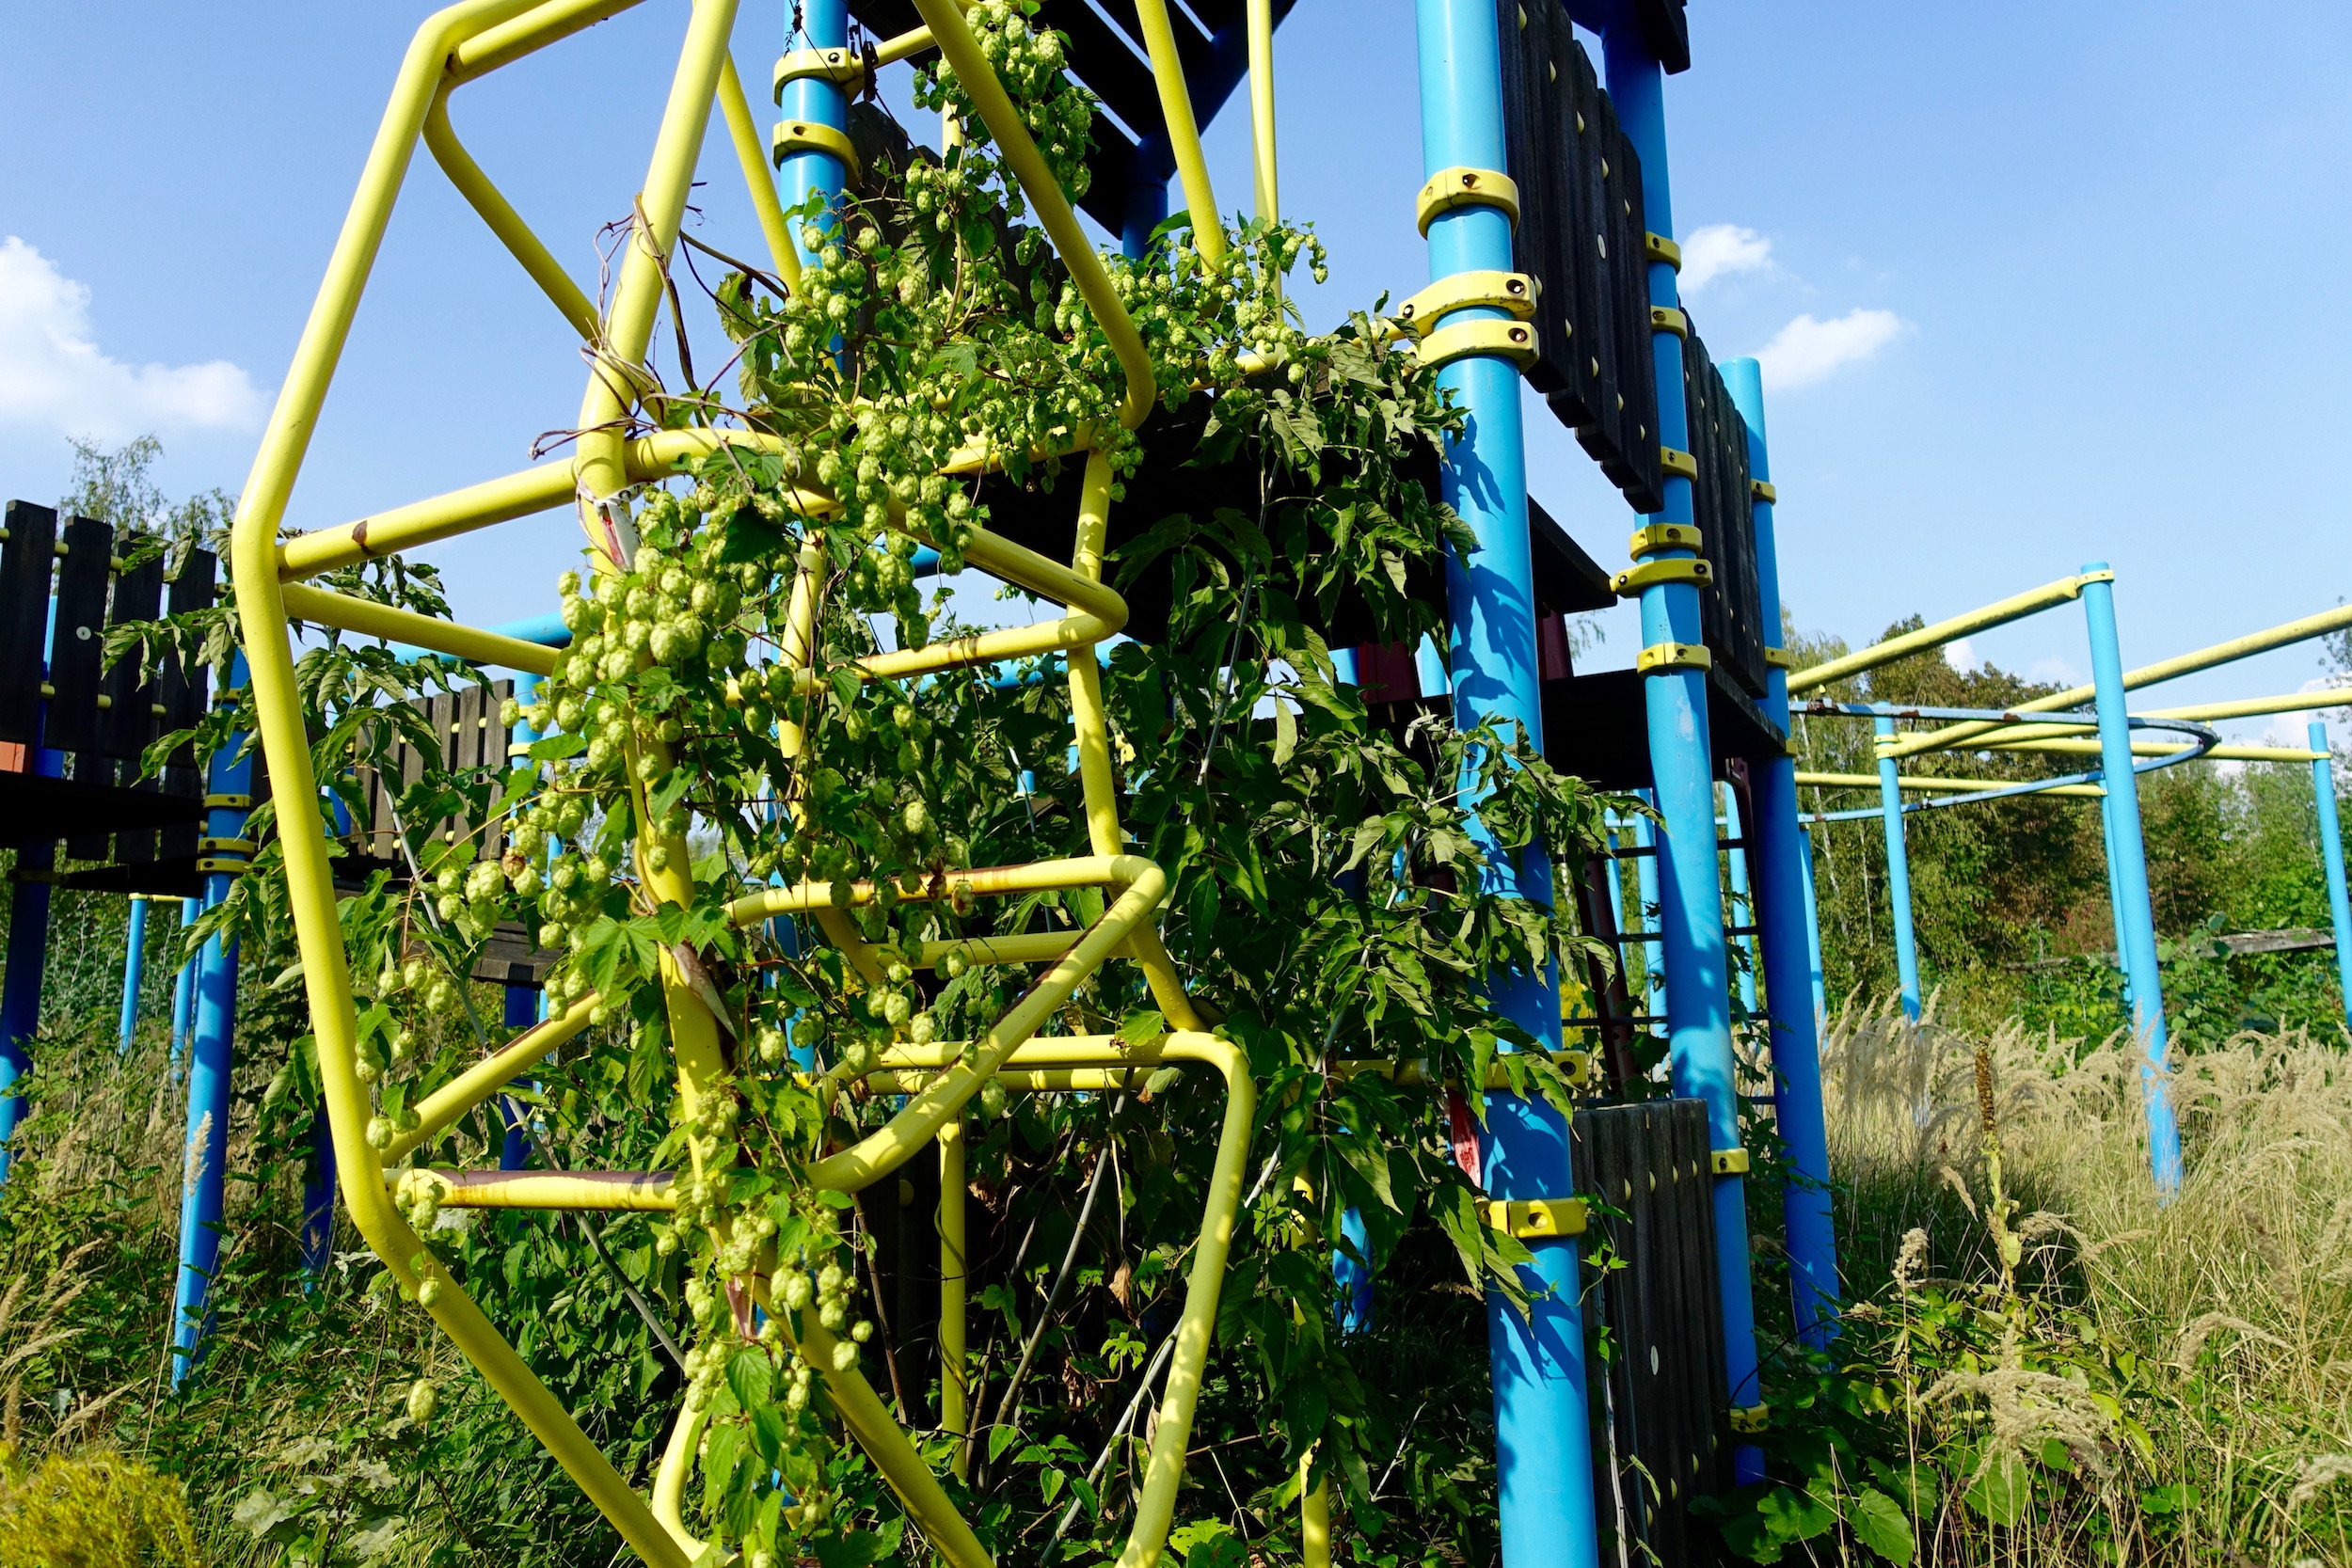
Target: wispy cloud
1719 250
1961 654
1808 349
55 377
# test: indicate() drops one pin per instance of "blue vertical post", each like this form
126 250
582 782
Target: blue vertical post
1813 934
1698 995
1790 934
2332 860
1543 1440
204 1154
1743 900
318 1199
28 955
1897 874
1649 919
825 24
522 1003
133 962
183 985
2135 918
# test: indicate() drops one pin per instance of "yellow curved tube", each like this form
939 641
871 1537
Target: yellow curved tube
437 1111
505 222
1184 133
371 619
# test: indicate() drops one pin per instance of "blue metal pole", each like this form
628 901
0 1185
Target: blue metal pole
205 1151
1543 1439
28 938
1791 939
1813 931
1897 874
318 1198
825 24
133 960
2128 868
28 955
1649 917
1691 898
2332 859
1743 901
183 985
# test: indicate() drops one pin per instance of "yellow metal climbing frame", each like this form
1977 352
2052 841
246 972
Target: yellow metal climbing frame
614 453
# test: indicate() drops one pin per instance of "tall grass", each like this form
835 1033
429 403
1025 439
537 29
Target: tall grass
2228 1308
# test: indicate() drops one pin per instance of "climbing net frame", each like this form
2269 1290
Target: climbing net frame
458 46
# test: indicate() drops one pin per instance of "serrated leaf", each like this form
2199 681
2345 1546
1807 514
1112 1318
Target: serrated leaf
1879 1523
751 1378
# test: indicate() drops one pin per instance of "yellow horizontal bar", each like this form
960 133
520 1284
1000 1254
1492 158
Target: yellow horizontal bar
2159 749
2243 707
989 881
1937 786
345 613
438 1110
2147 675
2015 607
632 1190
527 34
1027 948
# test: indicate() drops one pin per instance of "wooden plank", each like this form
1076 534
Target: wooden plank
1704 1323
1637 354
440 717
129 722
26 558
1615 1149
1539 243
1591 408
77 641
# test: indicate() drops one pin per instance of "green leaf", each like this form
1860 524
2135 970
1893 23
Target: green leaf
1285 733
1880 1523
2001 1494
1143 1026
1794 1515
999 1439
750 1377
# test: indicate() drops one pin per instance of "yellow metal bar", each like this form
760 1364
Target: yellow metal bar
630 1191
438 1110
618 378
2158 749
369 619
982 881
505 222
2015 607
545 23
883 1152
1088 718
1937 786
1027 948
914 42
955 1415
1183 134
2147 675
2243 707
752 156
309 882
669 1481
1261 15
963 54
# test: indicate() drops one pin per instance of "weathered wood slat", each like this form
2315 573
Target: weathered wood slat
26 559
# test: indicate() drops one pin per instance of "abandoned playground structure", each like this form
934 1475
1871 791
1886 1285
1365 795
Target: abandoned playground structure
1550 245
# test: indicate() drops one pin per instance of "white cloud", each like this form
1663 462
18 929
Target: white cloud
1808 349
55 377
1961 654
1719 250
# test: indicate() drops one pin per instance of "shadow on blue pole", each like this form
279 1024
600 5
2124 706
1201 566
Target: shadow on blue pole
2331 862
134 964
1898 874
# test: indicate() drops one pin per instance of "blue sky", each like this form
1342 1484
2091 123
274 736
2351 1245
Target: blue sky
2035 285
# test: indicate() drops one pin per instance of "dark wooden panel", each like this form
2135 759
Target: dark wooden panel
184 691
78 641
34 808
1111 70
26 559
901 1213
1643 485
1532 152
138 848
129 720
1587 404
1731 610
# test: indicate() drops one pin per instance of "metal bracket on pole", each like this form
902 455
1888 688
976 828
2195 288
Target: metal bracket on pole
1661 658
1512 340
1652 537
803 135
837 66
1656 248
1675 462
1512 292
1629 583
1729 1161
1665 318
1536 1217
1459 187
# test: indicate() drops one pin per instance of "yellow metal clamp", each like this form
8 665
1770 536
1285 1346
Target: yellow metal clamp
1513 292
228 802
806 136
1652 537
1730 1161
1535 1218
1752 1418
1761 489
1676 462
1780 658
1461 186
1656 248
837 66
2102 574
1665 318
1678 569
228 865
224 846
1512 340
1661 657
